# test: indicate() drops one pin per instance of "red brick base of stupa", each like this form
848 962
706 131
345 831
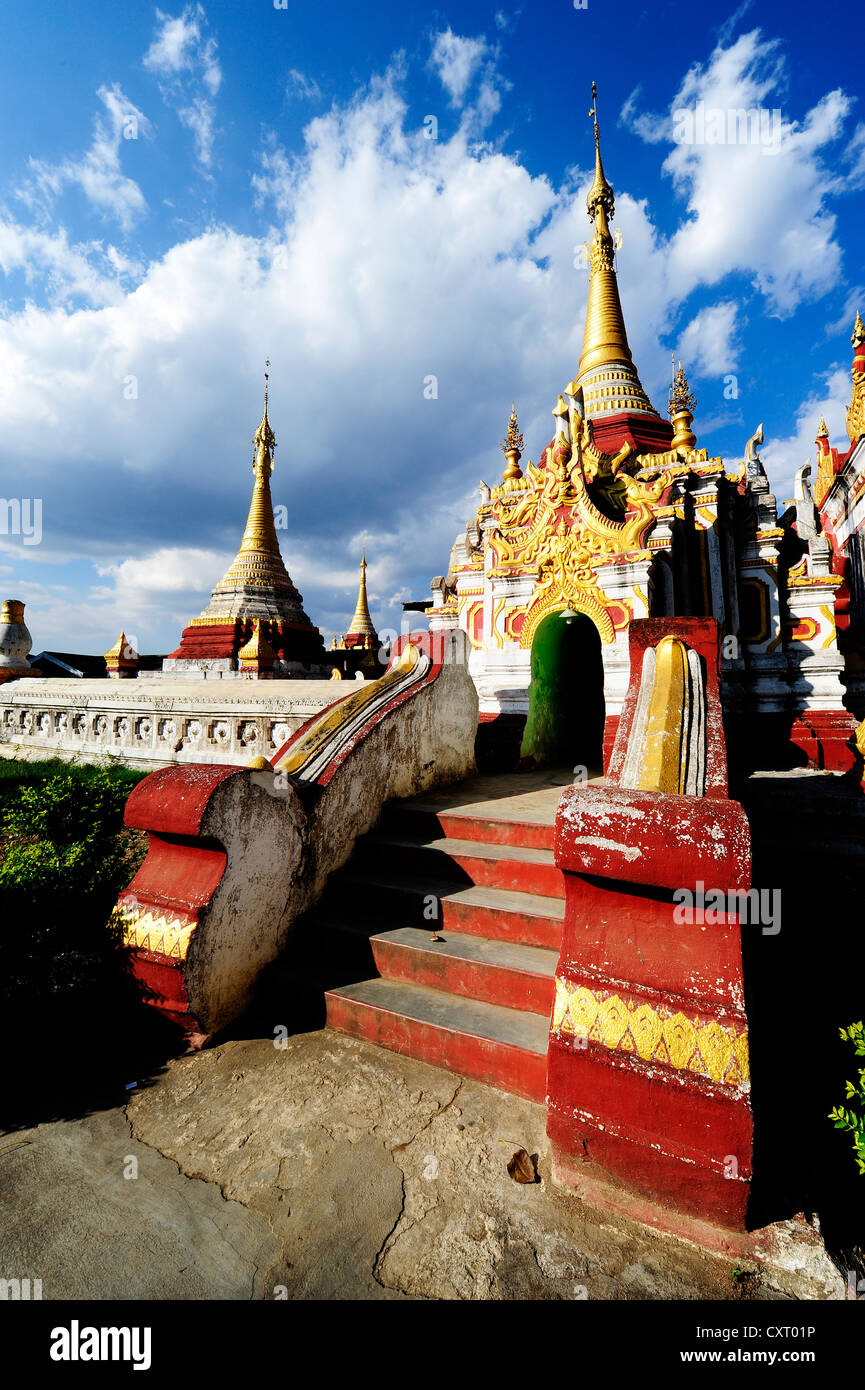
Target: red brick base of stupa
221 641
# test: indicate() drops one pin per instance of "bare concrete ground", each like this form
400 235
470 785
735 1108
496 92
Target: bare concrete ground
324 1169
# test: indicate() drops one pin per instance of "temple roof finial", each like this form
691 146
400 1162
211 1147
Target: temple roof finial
512 446
265 439
601 192
513 439
857 337
681 395
680 409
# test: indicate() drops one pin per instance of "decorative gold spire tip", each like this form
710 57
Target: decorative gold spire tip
513 439
823 429
601 191
264 439
682 397
857 337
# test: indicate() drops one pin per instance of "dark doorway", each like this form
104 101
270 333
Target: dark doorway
565 725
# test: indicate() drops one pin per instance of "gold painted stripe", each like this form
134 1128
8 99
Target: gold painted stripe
829 615
166 934
333 721
654 1033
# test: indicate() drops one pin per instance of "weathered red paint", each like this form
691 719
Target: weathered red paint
827 738
616 931
513 1069
493 984
173 799
507 874
653 838
648 1126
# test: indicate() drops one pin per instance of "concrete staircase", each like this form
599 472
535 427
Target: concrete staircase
479 874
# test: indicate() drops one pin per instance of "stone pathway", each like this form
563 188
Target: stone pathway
327 1168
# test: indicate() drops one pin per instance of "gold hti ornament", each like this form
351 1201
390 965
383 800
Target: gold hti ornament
680 409
512 446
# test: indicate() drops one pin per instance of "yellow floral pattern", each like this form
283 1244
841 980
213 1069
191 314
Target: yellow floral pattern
655 1033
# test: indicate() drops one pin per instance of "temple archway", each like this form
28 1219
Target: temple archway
565 724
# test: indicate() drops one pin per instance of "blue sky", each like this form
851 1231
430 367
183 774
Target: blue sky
185 191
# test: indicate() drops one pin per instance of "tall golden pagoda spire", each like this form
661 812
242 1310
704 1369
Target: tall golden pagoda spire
361 627
605 341
258 563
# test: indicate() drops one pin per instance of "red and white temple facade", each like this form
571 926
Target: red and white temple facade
625 517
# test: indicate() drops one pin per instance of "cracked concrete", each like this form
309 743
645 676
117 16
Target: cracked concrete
327 1168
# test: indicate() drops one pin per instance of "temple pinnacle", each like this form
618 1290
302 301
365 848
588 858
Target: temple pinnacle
361 631
606 372
259 563
601 192
264 440
511 446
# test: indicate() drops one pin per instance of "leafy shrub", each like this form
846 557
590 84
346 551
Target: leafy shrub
853 1120
64 858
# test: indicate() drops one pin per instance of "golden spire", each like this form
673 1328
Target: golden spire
258 563
681 410
362 624
857 337
601 192
823 429
511 446
605 341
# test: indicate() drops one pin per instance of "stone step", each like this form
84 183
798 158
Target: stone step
425 822
528 919
502 1047
509 867
497 972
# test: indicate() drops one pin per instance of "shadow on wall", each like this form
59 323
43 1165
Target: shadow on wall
804 983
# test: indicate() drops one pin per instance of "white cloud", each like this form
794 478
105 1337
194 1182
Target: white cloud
783 457
97 172
456 60
707 345
650 128
757 208
168 570
62 271
199 118
186 61
856 157
301 87
179 46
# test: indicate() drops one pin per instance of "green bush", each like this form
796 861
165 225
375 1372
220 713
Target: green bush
853 1120
64 857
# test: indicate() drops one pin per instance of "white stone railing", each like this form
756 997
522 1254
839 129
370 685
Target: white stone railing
152 723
